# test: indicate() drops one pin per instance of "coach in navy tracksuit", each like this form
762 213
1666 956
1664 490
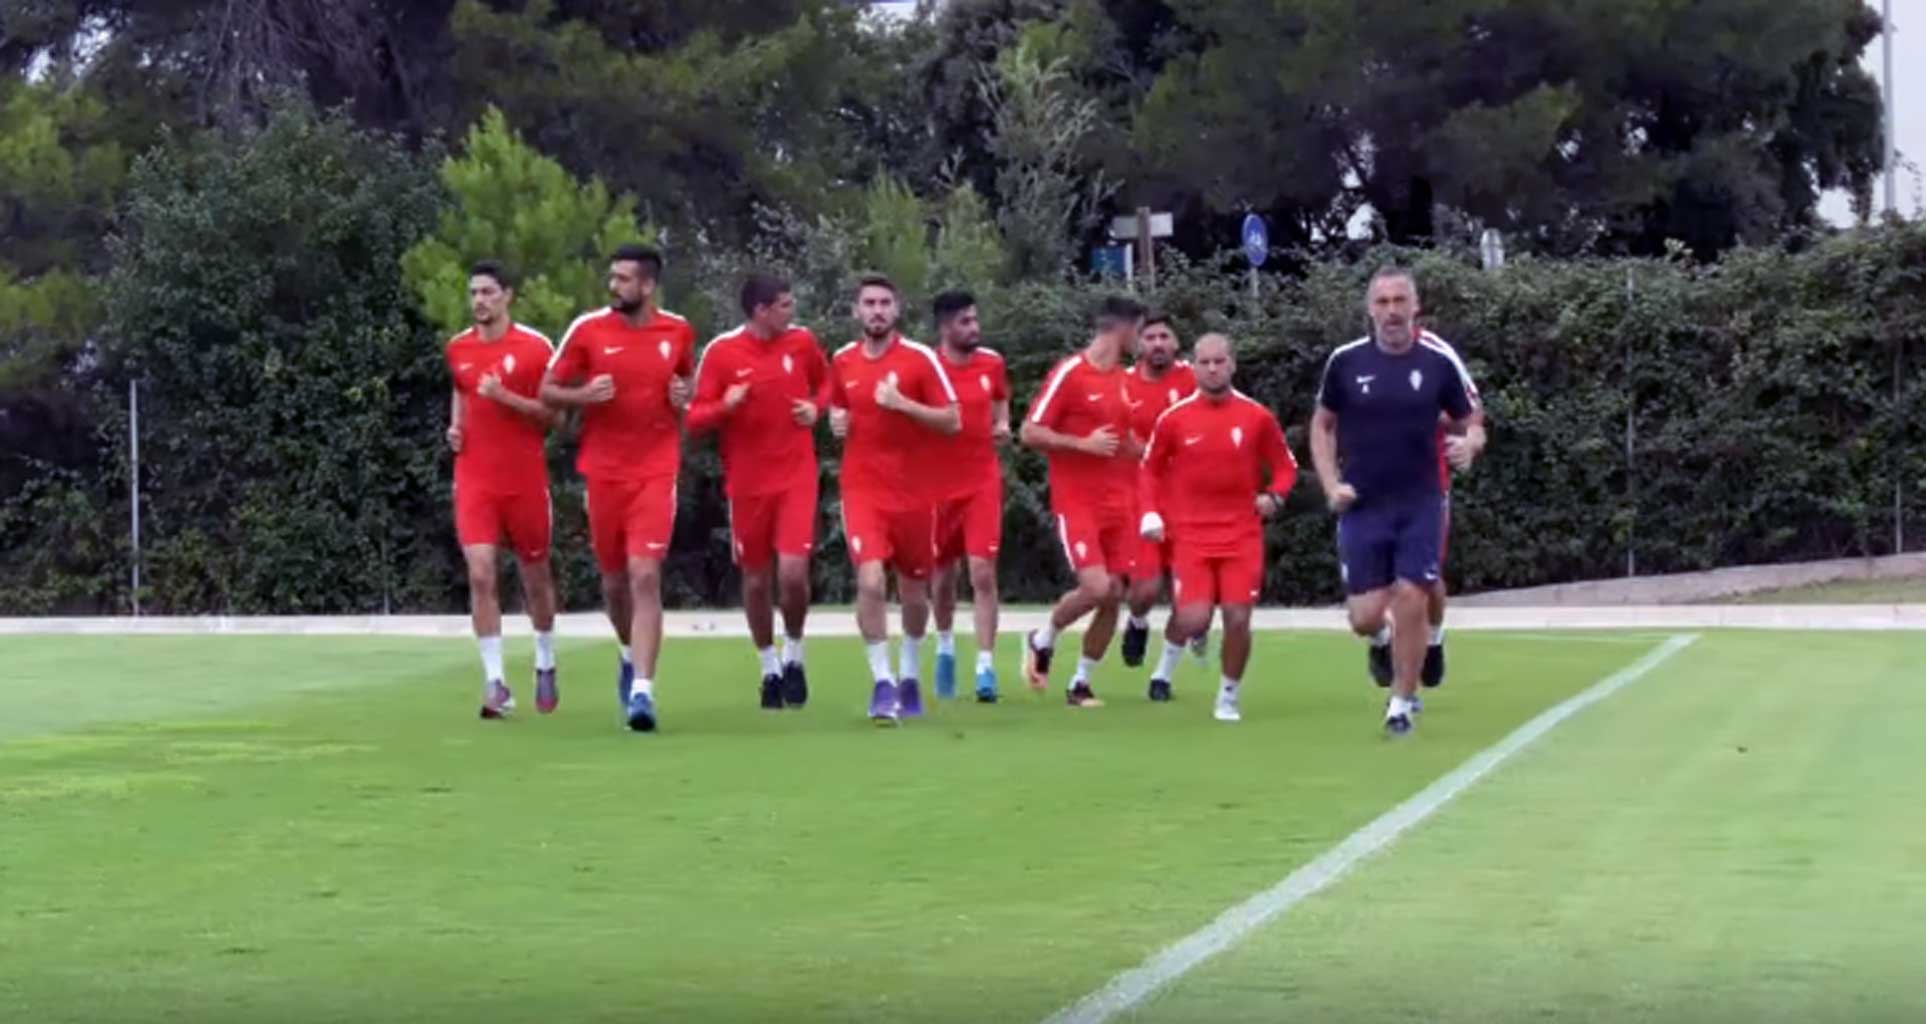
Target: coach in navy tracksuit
1374 440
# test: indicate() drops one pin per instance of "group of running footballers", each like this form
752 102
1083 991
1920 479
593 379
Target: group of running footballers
1157 470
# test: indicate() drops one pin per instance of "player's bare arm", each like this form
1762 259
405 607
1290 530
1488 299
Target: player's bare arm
599 389
1000 422
1102 442
1466 441
454 421
491 388
681 390
944 419
1338 494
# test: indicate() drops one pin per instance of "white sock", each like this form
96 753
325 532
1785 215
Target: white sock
1085 666
792 650
491 655
910 665
946 644
1383 637
644 686
1437 634
1227 684
1046 638
544 651
879 661
985 661
767 655
1398 706
627 657
1167 662
1139 622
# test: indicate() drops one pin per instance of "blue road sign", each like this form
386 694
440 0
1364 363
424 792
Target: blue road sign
1257 241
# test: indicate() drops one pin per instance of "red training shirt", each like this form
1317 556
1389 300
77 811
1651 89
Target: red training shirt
637 435
764 450
1077 399
1205 467
1149 398
888 458
501 449
969 457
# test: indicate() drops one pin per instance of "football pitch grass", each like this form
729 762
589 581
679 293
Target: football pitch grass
318 829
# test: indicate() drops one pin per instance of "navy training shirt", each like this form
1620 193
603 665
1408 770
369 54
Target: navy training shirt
1387 408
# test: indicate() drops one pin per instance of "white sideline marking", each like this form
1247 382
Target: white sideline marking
1128 990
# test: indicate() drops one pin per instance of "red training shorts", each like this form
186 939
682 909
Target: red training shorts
766 525
905 539
522 523
630 519
971 525
1153 558
1104 539
1217 579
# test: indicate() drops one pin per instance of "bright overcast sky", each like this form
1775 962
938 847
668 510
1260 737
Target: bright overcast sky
1909 111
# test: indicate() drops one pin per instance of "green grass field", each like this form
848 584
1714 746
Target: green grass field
319 830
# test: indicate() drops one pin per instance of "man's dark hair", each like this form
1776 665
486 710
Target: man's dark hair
1158 316
494 269
875 280
649 259
1392 271
760 289
950 303
1118 310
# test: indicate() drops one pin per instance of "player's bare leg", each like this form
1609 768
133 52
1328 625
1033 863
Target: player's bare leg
915 595
758 607
1096 640
1406 609
538 595
644 637
1434 659
1236 657
943 609
984 596
1142 597
485 611
1093 589
1186 622
616 604
872 621
792 582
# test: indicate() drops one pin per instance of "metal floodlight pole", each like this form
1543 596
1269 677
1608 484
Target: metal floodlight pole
1886 106
1892 209
133 452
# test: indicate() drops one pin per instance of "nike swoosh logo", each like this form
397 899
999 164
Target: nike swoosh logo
1095 398
1193 440
656 547
744 372
612 351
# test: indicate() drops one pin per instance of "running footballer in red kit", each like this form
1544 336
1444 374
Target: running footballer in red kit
890 404
627 368
497 426
1455 448
1081 421
762 387
1203 490
1157 381
969 514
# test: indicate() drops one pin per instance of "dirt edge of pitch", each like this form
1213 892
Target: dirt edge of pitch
1132 988
729 623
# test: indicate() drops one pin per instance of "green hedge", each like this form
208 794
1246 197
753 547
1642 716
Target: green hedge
1766 422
